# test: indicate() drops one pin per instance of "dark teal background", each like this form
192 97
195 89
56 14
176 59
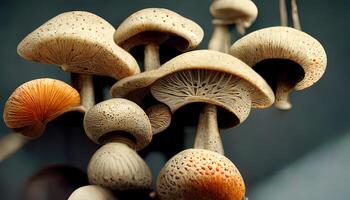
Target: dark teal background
301 154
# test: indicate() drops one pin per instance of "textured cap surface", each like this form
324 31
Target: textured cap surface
79 42
91 192
283 43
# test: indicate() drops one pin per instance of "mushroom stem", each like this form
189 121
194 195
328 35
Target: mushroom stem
283 13
152 61
84 84
282 95
220 39
240 28
208 134
10 143
295 15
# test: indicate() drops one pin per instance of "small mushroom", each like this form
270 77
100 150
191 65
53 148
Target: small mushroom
123 128
288 59
205 76
160 117
200 174
79 42
242 13
91 192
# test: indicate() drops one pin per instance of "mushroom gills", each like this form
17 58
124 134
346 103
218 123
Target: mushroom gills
120 137
205 86
281 75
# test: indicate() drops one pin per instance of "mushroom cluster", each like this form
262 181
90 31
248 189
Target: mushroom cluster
224 82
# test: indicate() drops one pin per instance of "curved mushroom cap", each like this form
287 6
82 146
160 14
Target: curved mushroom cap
200 174
79 42
33 104
161 26
91 192
283 43
118 115
118 167
234 11
237 80
160 117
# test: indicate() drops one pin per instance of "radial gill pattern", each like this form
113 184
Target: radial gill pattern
37 102
118 167
218 88
202 175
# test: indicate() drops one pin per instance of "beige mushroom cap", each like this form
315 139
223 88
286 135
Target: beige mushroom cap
159 116
234 12
91 192
79 42
182 33
118 115
283 43
200 174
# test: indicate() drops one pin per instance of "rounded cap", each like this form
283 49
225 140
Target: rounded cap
33 104
229 12
158 25
118 167
160 117
118 115
283 43
79 42
91 192
200 174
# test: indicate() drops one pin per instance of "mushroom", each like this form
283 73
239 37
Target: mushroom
200 174
242 13
91 192
205 76
31 106
153 27
79 42
123 128
288 59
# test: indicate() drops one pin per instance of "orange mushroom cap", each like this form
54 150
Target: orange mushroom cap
33 104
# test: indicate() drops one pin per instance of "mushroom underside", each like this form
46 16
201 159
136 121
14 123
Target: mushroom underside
280 70
205 86
121 136
164 38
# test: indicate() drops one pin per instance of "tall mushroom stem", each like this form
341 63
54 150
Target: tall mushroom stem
283 13
152 61
220 39
10 143
295 15
85 86
208 134
282 94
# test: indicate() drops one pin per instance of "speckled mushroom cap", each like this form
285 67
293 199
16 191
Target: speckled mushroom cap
234 11
283 43
180 32
118 115
210 64
91 192
200 174
79 42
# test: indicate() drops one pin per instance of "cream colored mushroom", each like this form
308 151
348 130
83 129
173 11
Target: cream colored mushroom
91 192
205 76
242 13
288 59
200 174
79 42
122 127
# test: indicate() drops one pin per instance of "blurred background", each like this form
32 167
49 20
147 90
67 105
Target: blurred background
300 154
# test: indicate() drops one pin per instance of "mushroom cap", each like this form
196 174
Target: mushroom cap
91 192
182 33
118 167
118 115
160 117
234 11
79 42
259 91
200 174
33 104
283 43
